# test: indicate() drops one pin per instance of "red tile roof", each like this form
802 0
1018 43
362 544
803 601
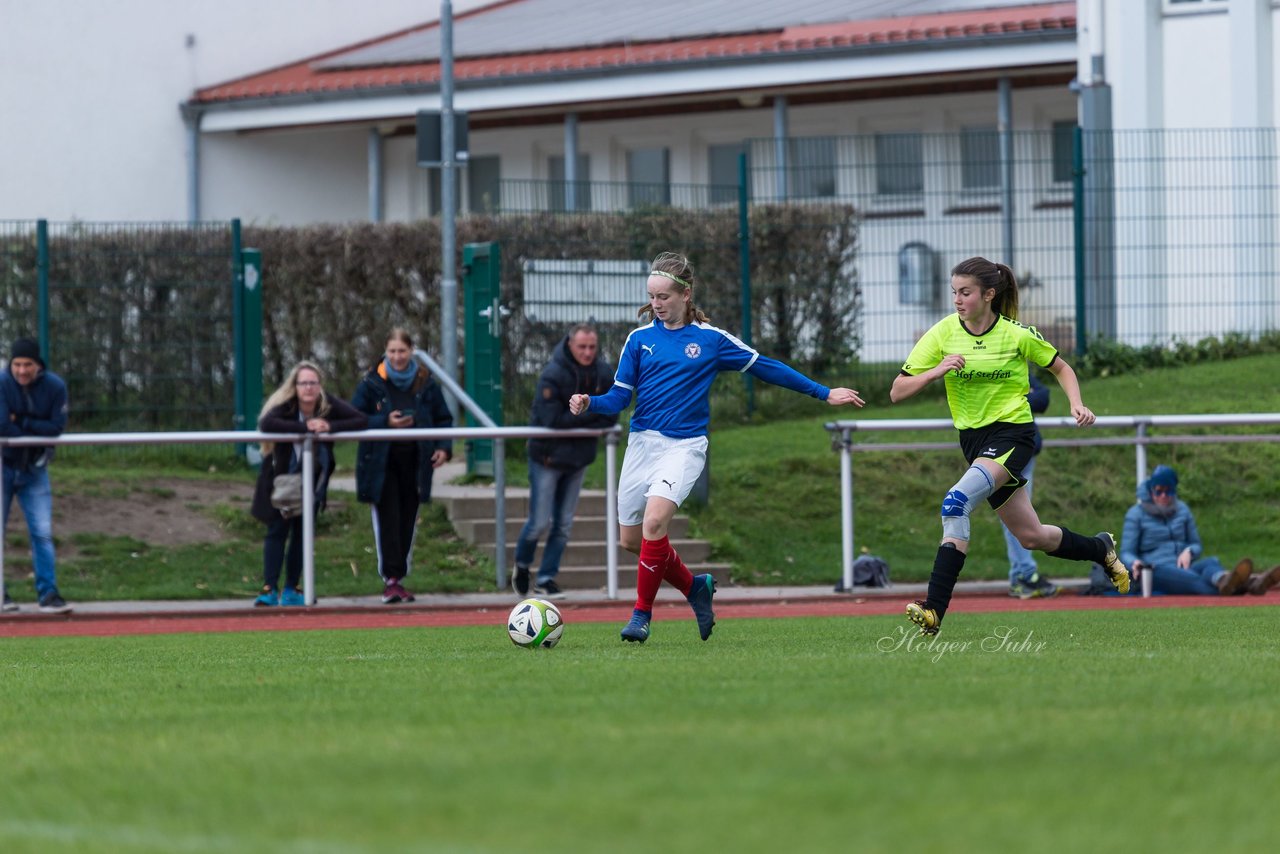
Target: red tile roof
306 77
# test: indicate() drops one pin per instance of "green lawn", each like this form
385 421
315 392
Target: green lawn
1138 730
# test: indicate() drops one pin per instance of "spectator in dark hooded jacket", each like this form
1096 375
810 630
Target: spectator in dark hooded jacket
557 466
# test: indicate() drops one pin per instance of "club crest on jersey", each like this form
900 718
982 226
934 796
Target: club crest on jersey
693 351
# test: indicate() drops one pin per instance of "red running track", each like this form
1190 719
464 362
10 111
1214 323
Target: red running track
107 625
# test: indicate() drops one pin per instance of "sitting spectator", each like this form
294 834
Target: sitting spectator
1160 534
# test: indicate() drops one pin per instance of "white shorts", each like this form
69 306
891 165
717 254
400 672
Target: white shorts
655 464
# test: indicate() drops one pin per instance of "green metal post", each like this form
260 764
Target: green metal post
744 261
237 323
42 285
1077 207
250 369
483 313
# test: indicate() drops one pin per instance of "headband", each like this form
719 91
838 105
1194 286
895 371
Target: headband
672 276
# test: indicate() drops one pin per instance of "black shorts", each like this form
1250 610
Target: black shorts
1010 445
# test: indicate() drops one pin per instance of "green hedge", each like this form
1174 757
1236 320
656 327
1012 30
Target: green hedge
332 291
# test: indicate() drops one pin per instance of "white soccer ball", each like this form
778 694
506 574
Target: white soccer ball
534 623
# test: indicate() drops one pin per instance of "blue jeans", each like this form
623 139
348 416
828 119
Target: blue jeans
553 499
1201 579
36 499
1021 564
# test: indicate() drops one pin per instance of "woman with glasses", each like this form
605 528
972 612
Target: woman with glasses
300 405
395 477
1160 534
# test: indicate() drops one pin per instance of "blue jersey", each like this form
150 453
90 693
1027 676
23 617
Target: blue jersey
670 371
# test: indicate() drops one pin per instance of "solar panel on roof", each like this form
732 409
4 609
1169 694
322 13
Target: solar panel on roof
541 25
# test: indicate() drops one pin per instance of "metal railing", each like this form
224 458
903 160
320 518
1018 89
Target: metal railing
842 441
497 434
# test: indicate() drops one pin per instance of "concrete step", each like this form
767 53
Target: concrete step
481 531
593 552
462 507
596 577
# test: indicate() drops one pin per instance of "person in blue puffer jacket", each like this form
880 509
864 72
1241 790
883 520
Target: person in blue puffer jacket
1160 533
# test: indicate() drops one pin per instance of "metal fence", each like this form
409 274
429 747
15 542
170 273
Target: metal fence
1138 237
842 441
497 434
136 317
828 251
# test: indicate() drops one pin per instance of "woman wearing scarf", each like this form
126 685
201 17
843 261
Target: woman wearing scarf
395 477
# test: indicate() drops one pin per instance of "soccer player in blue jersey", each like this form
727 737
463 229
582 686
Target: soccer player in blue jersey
981 354
668 365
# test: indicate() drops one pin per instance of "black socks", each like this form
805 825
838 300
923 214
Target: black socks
942 581
1077 547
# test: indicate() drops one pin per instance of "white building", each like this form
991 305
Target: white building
303 111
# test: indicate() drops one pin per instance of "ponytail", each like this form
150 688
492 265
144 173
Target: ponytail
993 276
677 268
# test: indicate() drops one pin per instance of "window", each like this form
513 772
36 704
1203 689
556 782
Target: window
483 184
1194 5
979 158
558 188
722 171
899 164
812 168
1063 151
648 177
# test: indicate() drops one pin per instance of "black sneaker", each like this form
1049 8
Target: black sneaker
549 589
52 603
1033 588
520 581
10 605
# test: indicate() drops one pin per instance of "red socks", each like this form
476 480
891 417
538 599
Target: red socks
677 574
658 561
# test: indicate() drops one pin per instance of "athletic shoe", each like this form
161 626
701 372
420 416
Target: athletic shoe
268 598
52 603
1116 571
637 631
520 581
1033 588
549 589
291 598
704 587
9 604
392 592
1261 583
1234 581
405 595
926 618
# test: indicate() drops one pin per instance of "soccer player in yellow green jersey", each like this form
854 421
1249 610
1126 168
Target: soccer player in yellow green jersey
981 354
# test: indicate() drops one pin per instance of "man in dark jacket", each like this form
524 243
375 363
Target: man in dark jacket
557 466
33 402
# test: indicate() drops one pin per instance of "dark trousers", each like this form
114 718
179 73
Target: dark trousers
394 519
273 552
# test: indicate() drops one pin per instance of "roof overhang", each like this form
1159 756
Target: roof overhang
570 89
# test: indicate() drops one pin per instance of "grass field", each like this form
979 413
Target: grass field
1041 731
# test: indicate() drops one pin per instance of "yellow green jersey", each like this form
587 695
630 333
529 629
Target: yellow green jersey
992 386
